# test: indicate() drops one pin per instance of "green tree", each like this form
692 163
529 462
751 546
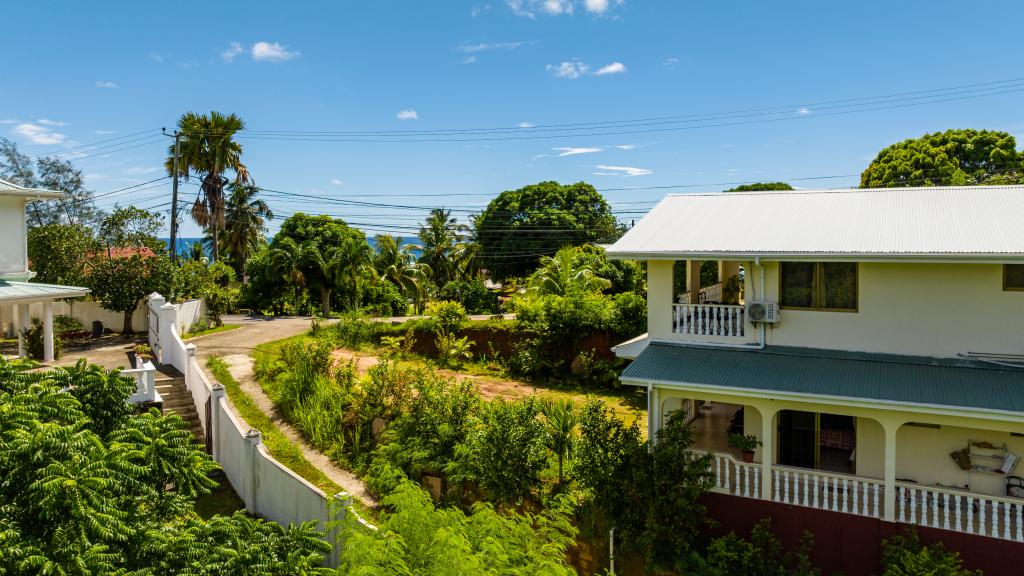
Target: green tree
561 419
131 227
507 450
440 236
321 253
397 265
950 158
904 555
121 283
78 206
246 219
59 252
564 273
209 150
520 226
760 187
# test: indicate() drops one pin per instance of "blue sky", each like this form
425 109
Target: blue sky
79 73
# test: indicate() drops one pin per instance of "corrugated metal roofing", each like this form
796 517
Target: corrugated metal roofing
24 291
899 223
11 189
879 377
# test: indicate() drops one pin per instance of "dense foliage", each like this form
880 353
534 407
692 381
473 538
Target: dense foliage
59 253
77 207
120 284
904 555
88 488
950 158
760 187
520 226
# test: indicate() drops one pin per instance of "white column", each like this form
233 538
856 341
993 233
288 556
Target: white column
693 280
253 438
767 450
659 298
20 326
213 426
48 332
889 472
654 413
168 323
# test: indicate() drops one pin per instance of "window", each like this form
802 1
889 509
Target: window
819 285
1013 277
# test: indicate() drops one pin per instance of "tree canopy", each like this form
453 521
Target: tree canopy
520 226
120 283
59 252
760 187
952 158
49 173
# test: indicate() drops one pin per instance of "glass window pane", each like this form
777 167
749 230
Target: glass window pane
840 290
1014 277
798 284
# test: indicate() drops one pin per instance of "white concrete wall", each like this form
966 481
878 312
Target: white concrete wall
13 235
84 311
922 455
936 310
190 312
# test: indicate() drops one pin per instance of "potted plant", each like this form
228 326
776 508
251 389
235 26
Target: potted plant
745 443
142 353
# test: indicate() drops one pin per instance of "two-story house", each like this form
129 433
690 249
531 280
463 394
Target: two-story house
875 350
15 289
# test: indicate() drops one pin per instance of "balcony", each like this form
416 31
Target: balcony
720 321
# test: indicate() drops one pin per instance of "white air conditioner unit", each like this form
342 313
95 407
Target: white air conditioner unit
763 312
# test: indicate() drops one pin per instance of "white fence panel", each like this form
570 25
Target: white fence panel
233 453
284 495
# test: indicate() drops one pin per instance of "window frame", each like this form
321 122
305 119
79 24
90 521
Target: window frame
1007 288
818 287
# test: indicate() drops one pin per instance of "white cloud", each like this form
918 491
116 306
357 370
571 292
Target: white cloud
625 146
487 46
526 125
234 49
571 70
613 68
569 151
336 182
155 57
272 52
670 62
530 8
9 121
48 122
39 134
468 60
622 171
105 84
803 111
407 114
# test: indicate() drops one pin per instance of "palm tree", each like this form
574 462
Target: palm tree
439 236
286 262
246 227
559 275
346 261
398 265
208 149
561 419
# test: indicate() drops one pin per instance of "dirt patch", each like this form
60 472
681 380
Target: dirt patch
363 361
240 368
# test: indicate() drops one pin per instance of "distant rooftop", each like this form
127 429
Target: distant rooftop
12 189
981 223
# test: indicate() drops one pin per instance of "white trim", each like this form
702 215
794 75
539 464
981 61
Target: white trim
907 258
936 409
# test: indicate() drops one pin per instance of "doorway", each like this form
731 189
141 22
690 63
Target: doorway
816 440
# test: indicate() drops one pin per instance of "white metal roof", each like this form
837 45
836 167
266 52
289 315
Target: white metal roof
11 189
980 223
25 292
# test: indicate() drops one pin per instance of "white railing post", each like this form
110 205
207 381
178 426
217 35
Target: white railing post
168 318
213 430
253 439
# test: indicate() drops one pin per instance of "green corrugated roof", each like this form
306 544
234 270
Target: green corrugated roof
15 291
904 379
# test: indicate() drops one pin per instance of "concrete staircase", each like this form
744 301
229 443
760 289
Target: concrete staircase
170 384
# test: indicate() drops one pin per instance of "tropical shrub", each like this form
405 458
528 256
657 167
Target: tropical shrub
904 555
453 350
33 336
383 299
761 555
472 294
447 316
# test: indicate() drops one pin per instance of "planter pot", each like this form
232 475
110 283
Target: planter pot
748 457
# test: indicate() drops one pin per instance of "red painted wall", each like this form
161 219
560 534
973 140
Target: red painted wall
852 544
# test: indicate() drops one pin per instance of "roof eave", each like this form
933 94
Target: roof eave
931 258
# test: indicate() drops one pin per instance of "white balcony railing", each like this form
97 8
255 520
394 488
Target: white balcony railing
828 491
959 511
724 320
734 477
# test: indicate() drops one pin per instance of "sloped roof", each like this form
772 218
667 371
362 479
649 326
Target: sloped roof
905 380
24 292
11 189
967 222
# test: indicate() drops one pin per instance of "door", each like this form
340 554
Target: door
798 438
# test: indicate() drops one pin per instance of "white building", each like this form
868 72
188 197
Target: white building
875 350
15 289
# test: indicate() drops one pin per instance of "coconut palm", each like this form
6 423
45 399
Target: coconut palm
559 274
398 265
439 237
346 261
286 262
561 419
208 150
246 230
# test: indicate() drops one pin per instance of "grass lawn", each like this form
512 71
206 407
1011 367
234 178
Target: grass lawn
280 447
210 330
222 500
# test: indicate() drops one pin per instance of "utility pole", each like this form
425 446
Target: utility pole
174 198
